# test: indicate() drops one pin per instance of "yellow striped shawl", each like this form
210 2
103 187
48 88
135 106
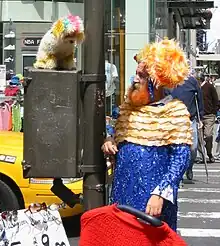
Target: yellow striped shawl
154 126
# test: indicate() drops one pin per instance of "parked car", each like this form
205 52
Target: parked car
17 192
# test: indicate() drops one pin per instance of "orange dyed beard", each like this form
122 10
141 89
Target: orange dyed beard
139 95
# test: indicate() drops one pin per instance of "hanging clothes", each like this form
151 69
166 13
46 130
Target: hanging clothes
16 117
5 116
10 121
12 91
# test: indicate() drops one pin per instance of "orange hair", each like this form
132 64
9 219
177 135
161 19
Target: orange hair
165 62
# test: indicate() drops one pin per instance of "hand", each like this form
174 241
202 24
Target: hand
154 205
109 147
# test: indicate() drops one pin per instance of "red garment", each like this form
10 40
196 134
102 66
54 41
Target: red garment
12 91
109 226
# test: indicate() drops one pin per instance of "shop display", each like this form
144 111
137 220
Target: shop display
10 46
38 225
11 114
9 59
51 53
11 34
11 105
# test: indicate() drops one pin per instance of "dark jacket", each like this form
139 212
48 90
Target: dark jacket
210 98
186 93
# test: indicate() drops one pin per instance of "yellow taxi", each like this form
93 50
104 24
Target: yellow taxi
17 192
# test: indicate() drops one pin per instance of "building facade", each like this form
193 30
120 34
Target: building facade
129 26
24 22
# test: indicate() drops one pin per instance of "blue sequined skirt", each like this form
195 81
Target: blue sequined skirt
138 171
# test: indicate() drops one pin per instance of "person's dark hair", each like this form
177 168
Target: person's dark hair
200 76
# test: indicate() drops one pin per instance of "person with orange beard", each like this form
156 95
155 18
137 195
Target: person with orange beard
152 135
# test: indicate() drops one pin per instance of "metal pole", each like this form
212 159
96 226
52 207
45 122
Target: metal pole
201 138
111 53
94 105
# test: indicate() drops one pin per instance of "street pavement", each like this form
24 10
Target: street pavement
199 210
72 227
199 207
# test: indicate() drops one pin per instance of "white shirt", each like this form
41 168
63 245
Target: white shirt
111 74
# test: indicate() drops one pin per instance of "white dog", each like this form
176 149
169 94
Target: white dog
57 47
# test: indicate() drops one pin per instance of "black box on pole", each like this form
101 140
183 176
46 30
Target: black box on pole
51 124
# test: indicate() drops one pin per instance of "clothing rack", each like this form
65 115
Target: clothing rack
11 113
4 98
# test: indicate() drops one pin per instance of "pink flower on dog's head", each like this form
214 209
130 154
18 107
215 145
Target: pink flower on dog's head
73 18
70 27
76 22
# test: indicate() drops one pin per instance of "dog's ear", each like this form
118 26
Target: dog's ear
80 37
58 28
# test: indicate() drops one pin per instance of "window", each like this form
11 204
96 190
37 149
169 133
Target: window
114 53
28 61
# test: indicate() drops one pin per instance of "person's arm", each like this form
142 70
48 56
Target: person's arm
214 98
179 162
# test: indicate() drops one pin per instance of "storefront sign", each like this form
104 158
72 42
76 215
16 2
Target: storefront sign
26 228
31 41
